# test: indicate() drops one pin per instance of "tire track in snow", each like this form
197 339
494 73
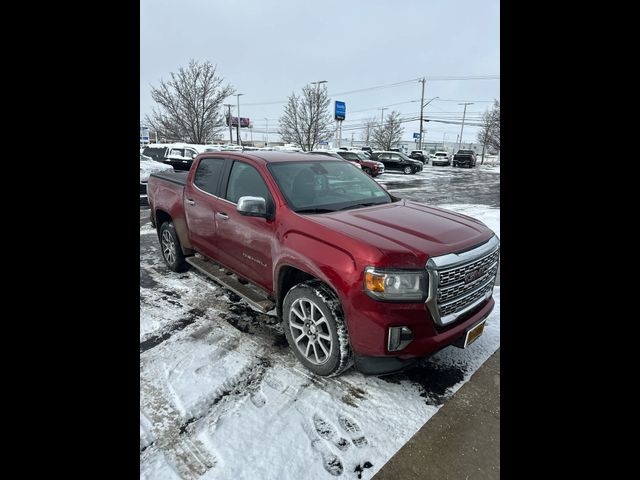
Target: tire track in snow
187 455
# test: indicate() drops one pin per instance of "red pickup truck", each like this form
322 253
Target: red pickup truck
357 276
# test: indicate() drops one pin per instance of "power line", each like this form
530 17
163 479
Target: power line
475 101
388 85
463 77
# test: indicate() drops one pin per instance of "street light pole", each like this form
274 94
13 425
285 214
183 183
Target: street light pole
382 115
423 81
228 105
422 107
316 120
463 115
237 95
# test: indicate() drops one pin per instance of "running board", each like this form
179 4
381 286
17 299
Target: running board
221 276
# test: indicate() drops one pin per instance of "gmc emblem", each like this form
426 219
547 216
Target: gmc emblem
474 275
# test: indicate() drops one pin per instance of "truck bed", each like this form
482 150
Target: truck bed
174 177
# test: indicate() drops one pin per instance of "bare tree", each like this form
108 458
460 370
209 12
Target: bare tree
390 133
189 104
369 125
489 134
307 119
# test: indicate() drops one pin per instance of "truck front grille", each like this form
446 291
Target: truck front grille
460 282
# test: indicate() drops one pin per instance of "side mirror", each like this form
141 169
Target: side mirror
252 207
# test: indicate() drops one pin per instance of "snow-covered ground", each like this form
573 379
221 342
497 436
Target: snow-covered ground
222 397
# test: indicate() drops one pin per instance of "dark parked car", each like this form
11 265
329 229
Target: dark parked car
370 167
397 161
421 155
464 158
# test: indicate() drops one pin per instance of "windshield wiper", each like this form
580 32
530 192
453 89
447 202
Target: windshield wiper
314 210
360 205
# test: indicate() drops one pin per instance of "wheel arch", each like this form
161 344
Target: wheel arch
161 216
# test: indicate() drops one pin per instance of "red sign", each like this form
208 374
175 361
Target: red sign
244 122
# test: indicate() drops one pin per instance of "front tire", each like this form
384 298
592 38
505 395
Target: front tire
407 170
171 249
315 328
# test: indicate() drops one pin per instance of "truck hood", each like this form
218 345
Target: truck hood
406 229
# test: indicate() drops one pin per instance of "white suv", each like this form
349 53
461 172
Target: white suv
440 158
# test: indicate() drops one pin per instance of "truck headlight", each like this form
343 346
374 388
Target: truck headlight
395 285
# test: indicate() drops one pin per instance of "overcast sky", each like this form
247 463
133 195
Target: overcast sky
268 49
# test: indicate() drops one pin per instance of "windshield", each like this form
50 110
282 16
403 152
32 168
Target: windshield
326 186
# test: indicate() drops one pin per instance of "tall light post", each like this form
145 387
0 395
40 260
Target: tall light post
228 105
422 107
382 115
317 119
237 95
463 115
266 144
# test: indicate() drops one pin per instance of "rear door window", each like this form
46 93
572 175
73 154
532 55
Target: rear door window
208 174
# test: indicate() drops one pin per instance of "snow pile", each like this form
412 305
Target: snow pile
147 167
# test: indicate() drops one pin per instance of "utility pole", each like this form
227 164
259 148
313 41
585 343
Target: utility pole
351 139
463 115
228 105
237 95
267 137
423 81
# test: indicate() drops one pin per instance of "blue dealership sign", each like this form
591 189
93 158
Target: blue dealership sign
416 135
341 110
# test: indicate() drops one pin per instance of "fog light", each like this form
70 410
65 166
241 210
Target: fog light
399 338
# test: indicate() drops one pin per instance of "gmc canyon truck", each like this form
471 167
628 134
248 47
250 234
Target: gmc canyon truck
357 276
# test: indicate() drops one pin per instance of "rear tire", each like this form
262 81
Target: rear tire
315 328
171 249
407 170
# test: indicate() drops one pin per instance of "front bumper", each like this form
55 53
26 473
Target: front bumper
424 344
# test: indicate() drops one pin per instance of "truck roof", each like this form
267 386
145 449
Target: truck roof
283 156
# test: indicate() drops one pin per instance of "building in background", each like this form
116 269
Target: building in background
144 136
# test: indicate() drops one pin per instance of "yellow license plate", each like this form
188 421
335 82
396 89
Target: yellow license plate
473 334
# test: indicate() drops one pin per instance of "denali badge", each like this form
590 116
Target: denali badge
253 259
474 275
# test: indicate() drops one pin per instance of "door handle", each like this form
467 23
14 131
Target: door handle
190 202
223 216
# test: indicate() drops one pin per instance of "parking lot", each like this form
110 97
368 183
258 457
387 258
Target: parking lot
217 377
